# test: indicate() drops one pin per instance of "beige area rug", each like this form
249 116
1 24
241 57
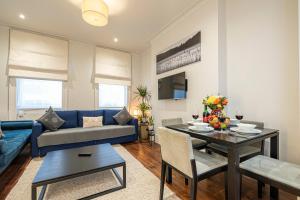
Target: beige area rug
141 183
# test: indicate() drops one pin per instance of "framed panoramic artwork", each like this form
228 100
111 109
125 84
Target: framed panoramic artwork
182 53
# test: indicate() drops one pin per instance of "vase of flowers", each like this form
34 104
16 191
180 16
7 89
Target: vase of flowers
217 117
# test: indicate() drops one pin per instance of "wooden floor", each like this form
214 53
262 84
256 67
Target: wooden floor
149 156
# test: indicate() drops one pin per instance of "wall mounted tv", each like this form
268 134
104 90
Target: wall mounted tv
172 87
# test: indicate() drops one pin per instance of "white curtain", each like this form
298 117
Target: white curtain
112 67
37 56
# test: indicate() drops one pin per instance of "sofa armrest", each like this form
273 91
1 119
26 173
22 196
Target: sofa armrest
135 123
16 125
37 130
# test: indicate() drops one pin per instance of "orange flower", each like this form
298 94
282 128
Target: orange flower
217 101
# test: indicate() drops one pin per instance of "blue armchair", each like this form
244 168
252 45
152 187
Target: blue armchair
17 135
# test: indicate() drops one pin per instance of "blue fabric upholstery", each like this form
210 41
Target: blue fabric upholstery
2 145
13 141
88 113
118 140
15 125
70 118
38 129
108 117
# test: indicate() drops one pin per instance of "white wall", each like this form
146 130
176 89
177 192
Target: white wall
81 94
202 76
4 35
262 66
249 53
79 91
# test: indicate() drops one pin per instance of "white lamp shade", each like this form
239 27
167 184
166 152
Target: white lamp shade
95 12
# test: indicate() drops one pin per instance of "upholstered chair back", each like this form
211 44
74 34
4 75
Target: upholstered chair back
172 121
176 149
258 124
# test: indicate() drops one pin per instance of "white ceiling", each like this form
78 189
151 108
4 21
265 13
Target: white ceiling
133 22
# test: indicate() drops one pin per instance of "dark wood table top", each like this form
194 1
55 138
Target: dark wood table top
227 138
64 164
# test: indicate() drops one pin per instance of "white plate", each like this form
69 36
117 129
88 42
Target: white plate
194 128
234 122
192 122
246 132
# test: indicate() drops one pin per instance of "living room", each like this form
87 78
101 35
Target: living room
113 92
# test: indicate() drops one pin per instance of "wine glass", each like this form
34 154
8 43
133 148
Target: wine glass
239 115
195 117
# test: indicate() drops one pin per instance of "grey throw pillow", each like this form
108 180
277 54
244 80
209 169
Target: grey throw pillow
51 120
123 117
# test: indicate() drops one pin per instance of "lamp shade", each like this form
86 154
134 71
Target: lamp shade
95 12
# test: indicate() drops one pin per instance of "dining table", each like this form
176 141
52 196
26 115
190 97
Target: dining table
233 142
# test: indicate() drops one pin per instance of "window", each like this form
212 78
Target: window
112 96
35 94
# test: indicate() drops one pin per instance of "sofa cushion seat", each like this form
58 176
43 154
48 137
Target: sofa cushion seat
12 143
76 135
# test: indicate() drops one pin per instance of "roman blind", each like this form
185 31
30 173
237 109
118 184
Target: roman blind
37 56
112 67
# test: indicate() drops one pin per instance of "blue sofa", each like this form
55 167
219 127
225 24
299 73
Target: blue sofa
72 134
17 135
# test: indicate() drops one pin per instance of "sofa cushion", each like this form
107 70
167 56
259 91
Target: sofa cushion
51 120
2 145
12 143
76 135
123 117
88 113
89 122
70 118
108 117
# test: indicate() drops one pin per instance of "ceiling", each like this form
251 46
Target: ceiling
133 22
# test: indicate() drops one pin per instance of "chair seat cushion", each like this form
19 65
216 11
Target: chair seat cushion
274 169
206 162
244 151
76 135
197 143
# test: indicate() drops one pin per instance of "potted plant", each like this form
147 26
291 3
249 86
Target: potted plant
143 95
151 123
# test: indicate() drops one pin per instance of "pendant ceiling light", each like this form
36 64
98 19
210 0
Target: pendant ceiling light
95 12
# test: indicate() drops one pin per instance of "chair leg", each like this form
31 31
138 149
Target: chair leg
169 175
241 185
193 188
259 189
162 180
226 185
186 181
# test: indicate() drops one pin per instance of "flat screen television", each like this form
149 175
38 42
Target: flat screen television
172 87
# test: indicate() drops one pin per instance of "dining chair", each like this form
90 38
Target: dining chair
196 143
245 152
193 164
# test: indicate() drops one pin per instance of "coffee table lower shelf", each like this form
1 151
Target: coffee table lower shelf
44 184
